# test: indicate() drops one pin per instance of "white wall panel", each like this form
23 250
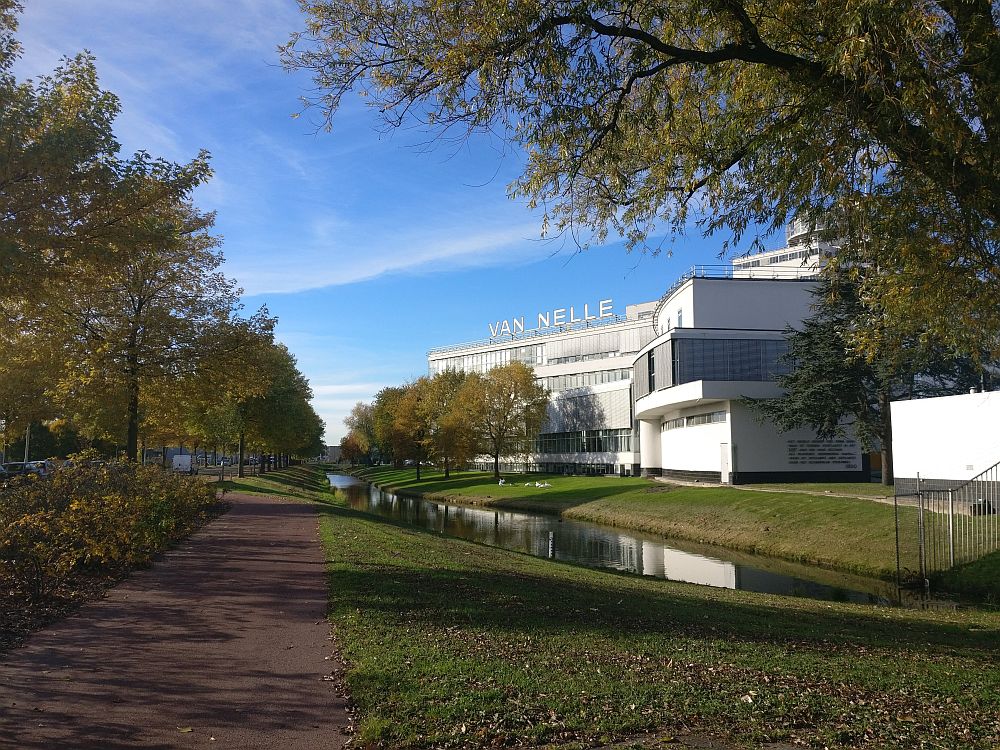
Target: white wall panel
951 437
750 303
694 448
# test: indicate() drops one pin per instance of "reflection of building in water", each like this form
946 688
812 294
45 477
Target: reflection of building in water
663 562
662 388
682 566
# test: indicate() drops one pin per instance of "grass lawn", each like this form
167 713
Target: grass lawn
847 534
980 578
304 482
453 644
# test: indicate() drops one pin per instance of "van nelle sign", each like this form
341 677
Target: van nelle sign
558 317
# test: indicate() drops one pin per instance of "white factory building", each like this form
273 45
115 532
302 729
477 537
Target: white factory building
585 362
660 390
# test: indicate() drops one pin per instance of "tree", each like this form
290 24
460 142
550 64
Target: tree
736 115
361 425
281 420
451 435
508 407
64 191
386 436
147 316
351 450
836 392
411 424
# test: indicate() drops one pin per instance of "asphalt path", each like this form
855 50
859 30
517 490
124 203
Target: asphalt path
223 643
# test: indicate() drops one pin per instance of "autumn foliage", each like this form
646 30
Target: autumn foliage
99 519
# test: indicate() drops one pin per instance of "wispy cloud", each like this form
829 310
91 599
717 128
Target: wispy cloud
354 253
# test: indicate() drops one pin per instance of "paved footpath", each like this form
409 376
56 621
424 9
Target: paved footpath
221 644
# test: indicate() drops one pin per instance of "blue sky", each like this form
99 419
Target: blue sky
369 246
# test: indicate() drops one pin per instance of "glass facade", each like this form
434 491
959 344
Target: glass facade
485 361
684 360
712 417
556 383
583 357
585 441
728 359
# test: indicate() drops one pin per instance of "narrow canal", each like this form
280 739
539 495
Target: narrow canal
600 546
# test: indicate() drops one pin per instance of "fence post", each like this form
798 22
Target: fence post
920 531
951 528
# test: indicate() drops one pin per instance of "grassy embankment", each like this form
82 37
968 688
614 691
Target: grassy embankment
849 534
302 482
449 643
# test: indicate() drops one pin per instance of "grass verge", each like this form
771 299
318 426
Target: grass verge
848 534
305 482
979 579
452 644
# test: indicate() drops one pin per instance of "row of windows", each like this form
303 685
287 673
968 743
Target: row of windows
485 361
712 417
728 359
582 357
680 361
784 257
556 383
587 441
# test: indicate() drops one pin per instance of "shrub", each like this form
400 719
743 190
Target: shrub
93 519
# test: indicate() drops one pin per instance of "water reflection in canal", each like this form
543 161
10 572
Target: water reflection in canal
600 546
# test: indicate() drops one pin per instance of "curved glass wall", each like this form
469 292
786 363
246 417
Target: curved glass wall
683 360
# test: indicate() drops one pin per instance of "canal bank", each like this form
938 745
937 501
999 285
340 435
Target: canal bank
454 644
598 546
849 535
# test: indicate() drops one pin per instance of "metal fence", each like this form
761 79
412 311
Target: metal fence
941 524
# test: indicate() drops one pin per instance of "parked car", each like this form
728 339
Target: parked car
16 469
41 468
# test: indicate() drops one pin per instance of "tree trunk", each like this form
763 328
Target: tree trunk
888 476
418 471
132 439
163 456
446 467
242 448
496 466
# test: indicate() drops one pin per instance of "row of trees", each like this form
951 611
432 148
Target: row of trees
449 419
880 120
118 324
